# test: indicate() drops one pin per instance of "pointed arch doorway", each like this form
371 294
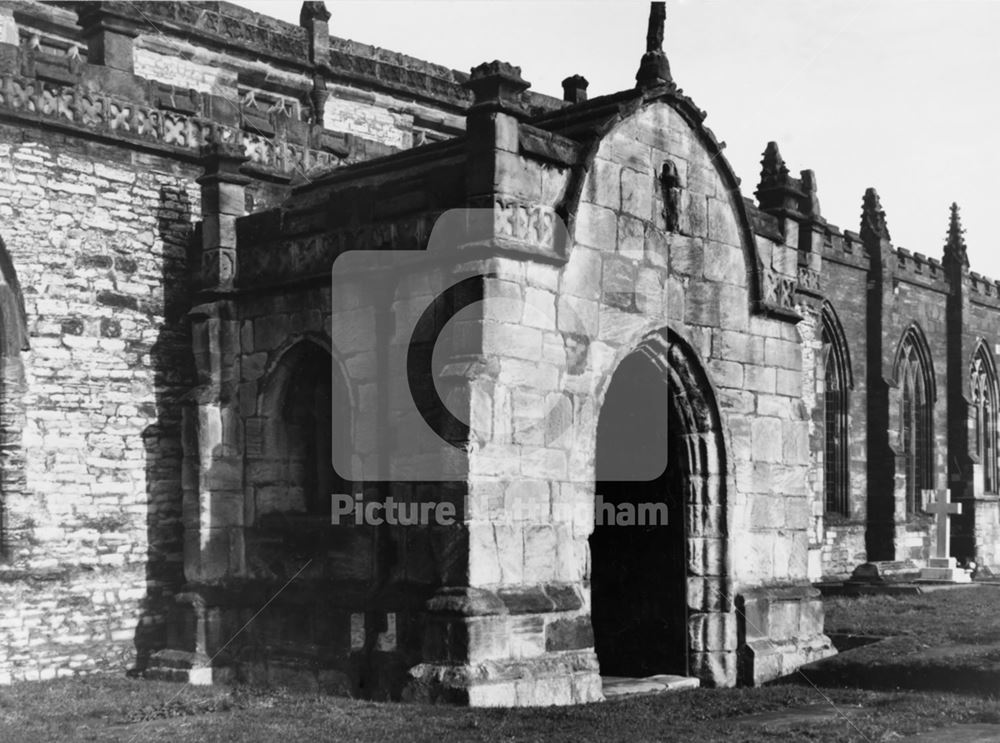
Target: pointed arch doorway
658 400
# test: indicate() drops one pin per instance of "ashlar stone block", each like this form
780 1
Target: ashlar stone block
596 227
725 263
766 439
582 275
604 183
637 193
687 255
631 237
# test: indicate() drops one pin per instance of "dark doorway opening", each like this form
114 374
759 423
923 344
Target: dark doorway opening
639 572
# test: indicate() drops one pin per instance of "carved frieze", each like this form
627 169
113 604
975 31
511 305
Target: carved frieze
531 224
809 280
78 106
777 290
269 262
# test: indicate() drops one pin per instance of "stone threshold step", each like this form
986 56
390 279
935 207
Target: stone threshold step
617 687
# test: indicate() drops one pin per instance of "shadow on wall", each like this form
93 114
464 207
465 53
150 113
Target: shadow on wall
13 340
172 367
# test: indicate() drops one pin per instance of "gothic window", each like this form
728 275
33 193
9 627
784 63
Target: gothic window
837 383
983 383
913 374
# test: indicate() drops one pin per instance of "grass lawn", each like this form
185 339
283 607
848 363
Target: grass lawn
116 709
925 629
966 615
947 639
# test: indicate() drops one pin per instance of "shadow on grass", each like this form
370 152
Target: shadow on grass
945 640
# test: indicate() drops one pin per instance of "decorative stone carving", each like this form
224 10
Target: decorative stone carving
777 290
873 225
810 204
671 184
527 223
777 190
654 69
809 279
955 250
497 86
123 118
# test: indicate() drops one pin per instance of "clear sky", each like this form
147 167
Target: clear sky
901 95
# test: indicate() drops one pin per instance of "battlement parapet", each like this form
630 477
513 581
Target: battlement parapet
984 288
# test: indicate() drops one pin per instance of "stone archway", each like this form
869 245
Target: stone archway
302 407
659 400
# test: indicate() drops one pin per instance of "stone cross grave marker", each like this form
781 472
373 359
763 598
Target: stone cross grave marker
942 568
942 508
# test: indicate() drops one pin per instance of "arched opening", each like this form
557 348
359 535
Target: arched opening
658 411
305 412
914 377
838 381
983 388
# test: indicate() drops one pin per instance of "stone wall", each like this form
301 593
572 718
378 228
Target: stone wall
509 586
144 427
99 199
346 113
168 67
98 237
914 293
625 279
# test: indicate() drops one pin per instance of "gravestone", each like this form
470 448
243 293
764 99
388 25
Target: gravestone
943 568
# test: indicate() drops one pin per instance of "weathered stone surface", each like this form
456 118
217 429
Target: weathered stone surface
569 634
766 437
616 687
465 602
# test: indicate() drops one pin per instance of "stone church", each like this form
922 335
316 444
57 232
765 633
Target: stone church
177 182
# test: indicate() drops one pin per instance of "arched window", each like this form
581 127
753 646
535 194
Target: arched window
837 383
983 384
915 380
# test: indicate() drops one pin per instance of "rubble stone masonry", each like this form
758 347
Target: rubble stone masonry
100 237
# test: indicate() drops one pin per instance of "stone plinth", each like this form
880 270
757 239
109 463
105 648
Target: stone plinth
512 648
783 629
944 569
